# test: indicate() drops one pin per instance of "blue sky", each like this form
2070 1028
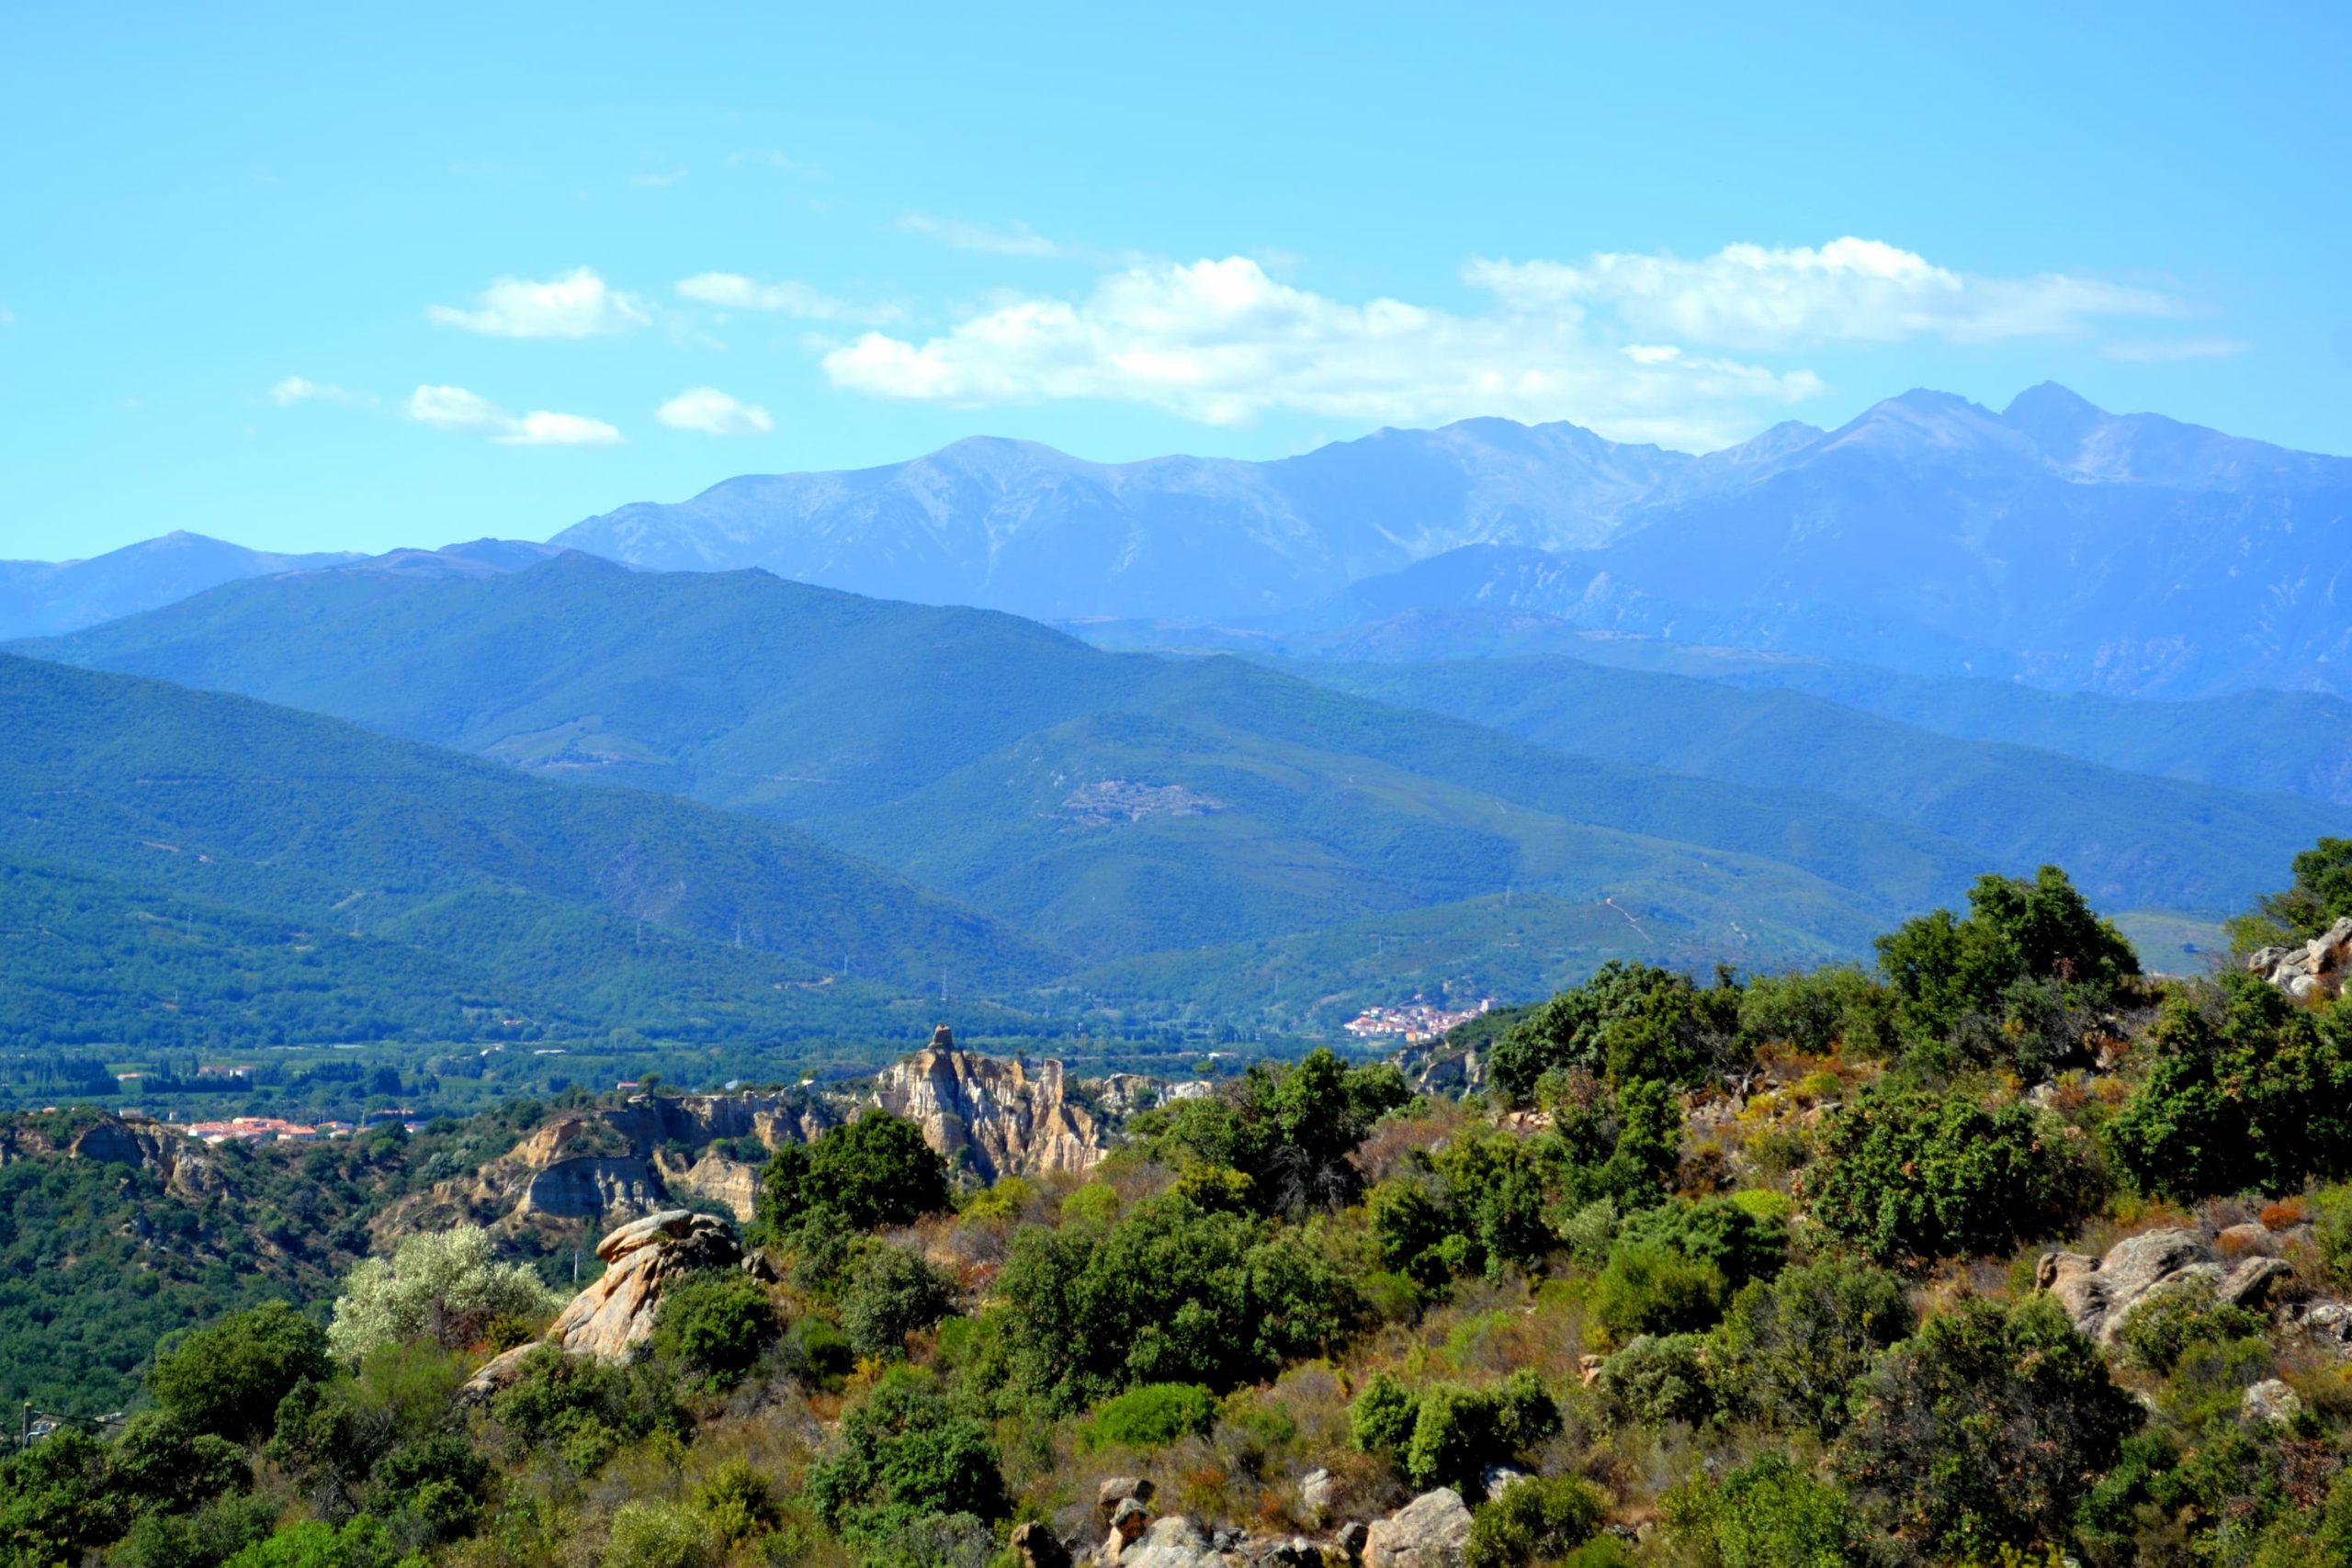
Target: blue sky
312 278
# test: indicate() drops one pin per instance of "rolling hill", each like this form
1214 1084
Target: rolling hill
1117 807
179 861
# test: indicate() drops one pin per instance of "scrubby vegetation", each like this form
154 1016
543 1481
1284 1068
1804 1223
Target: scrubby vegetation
1718 1273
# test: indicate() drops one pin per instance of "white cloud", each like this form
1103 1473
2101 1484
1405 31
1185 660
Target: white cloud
1754 297
1011 239
455 408
1638 347
798 300
1223 342
712 413
577 304
302 389
2170 351
658 181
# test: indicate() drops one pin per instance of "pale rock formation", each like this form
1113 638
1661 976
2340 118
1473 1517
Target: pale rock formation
1430 1531
1317 1490
2270 1400
1172 1542
2100 1294
1037 1547
615 1313
2313 971
991 1117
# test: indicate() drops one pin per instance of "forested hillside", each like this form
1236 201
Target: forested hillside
190 868
1999 1253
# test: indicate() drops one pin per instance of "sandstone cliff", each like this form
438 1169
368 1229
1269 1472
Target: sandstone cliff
990 1117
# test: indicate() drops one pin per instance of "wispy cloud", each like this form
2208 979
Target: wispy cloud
734 291
1757 298
302 389
711 412
455 408
1000 239
1639 347
1223 342
661 181
577 304
2170 351
7 317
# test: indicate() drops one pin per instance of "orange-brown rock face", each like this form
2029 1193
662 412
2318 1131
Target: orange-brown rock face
990 1116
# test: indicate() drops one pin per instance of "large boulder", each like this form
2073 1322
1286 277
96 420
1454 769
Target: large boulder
2099 1294
2314 970
1430 1531
1172 1542
615 1313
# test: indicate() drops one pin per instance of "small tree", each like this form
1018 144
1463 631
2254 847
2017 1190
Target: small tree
718 1322
902 1457
892 1293
226 1379
446 1286
1790 1348
1536 1519
871 1172
1983 1429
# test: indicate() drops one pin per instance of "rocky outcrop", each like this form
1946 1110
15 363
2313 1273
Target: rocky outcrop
616 1313
991 1117
1430 1531
2313 972
2099 1294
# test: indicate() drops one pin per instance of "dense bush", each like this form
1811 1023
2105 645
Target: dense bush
444 1285
718 1322
892 1291
1152 1416
1649 1288
1288 1130
1790 1349
226 1379
1170 1293
2245 1091
871 1172
1447 1435
1771 1514
1629 1020
1908 1176
1534 1519
1982 1430
2016 982
1657 1378
903 1456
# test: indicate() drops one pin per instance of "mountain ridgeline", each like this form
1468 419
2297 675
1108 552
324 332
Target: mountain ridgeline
2050 542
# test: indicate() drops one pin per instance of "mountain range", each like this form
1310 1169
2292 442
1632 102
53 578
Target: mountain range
2050 542
41 597
1118 807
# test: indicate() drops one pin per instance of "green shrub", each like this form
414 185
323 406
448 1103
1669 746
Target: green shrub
205 1539
2254 1094
1655 1380
1773 1514
1152 1416
739 1502
871 1172
1790 1348
1730 1235
226 1379
901 1456
2160 1331
1533 1520
646 1534
1908 1176
360 1543
1380 1419
718 1322
1980 1430
1649 1288
891 1293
